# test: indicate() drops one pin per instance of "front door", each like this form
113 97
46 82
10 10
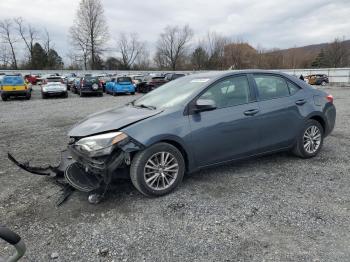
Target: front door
228 132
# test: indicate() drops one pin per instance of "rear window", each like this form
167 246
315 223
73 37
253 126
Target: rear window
270 87
54 79
123 79
91 79
13 80
157 78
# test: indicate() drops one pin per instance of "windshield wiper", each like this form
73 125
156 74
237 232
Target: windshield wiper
145 106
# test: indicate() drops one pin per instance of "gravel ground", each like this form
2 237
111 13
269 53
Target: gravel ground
274 208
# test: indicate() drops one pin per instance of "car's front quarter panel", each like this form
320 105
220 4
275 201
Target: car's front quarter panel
167 126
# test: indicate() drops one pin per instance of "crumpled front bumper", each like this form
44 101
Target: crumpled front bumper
77 170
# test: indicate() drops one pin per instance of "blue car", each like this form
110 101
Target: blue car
120 85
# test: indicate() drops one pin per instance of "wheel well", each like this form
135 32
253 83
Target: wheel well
180 148
321 121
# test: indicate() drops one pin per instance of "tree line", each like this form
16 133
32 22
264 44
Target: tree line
175 48
39 50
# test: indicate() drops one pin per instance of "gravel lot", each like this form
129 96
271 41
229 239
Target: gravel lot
275 208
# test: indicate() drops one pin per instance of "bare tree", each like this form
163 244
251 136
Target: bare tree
172 45
47 42
90 31
28 34
81 43
7 38
337 54
142 61
5 56
130 48
216 49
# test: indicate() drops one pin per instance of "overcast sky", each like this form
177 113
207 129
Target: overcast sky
264 23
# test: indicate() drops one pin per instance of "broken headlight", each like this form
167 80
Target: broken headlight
100 145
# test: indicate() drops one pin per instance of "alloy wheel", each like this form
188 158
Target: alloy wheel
161 170
312 139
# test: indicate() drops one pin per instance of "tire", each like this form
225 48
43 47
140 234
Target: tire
114 93
299 149
43 96
132 93
65 95
4 97
140 160
323 83
81 93
28 96
100 94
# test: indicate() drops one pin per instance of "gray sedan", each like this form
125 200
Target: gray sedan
194 122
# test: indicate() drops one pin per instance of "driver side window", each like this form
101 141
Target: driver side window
229 92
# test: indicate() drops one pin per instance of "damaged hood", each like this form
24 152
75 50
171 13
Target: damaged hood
112 119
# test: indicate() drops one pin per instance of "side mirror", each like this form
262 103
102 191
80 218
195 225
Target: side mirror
204 105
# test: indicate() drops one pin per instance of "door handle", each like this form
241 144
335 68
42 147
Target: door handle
251 112
300 102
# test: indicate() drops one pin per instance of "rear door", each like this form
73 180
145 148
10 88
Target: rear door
280 103
229 131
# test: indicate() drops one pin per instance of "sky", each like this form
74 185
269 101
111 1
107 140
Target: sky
262 23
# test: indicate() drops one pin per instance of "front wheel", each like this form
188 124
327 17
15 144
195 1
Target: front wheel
310 140
157 170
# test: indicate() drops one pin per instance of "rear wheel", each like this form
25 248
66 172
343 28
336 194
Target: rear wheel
28 96
157 170
323 83
132 93
310 140
65 95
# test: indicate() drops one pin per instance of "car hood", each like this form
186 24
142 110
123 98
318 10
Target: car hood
112 119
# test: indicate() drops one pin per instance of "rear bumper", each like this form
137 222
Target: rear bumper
15 93
55 93
91 91
330 115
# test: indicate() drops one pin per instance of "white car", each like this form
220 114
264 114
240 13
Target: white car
54 86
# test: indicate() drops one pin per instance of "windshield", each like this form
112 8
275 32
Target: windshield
171 94
13 80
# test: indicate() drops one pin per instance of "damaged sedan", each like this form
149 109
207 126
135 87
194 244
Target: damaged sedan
191 123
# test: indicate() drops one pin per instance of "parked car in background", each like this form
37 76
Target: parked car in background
69 79
104 79
14 86
317 79
150 83
54 86
137 79
120 85
33 79
172 76
90 85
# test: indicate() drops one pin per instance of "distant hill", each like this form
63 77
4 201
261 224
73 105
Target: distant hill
312 50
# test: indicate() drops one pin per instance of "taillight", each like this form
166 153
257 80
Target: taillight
330 98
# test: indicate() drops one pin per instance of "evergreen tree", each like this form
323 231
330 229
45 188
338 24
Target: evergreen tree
199 58
54 61
320 60
39 57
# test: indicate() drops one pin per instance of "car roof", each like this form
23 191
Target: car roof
219 74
